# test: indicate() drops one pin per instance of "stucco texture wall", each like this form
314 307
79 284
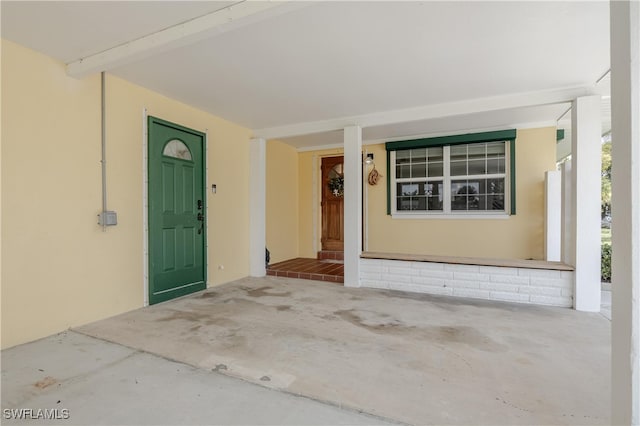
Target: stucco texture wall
282 201
59 269
521 236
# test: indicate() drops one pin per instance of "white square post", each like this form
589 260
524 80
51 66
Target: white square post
352 205
257 206
625 209
553 216
586 149
567 216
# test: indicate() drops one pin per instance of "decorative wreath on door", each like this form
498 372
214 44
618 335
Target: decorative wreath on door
336 185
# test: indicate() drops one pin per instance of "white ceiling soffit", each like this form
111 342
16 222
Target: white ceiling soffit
71 30
110 42
431 113
535 116
331 61
210 25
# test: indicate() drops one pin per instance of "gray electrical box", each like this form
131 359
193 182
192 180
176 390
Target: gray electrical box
108 218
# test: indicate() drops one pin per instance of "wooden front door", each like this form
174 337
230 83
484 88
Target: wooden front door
332 204
177 259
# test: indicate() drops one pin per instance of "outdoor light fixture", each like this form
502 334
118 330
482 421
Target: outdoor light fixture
368 160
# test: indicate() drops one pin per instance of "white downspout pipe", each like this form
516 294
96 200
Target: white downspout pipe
103 158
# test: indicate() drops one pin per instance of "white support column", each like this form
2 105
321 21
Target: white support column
553 216
625 197
567 216
352 205
257 206
585 200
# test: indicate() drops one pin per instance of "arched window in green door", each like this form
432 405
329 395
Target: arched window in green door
177 149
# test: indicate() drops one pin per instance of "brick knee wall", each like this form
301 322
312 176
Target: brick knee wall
524 285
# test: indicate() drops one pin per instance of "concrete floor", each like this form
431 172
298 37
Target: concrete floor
412 358
102 383
605 300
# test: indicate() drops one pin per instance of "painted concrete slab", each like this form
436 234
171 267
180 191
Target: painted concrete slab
605 301
418 359
85 381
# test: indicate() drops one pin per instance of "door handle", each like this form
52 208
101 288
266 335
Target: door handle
199 204
200 217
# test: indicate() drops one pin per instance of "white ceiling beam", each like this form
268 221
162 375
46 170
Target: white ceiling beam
427 112
462 130
229 18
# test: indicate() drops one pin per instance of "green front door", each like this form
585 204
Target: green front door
176 211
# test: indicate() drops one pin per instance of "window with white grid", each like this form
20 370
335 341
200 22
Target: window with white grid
460 179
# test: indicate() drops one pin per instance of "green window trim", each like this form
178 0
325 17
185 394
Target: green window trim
512 174
469 138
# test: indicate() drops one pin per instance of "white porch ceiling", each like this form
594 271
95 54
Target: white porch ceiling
398 68
71 30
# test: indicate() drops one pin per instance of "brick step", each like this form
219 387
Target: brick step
309 269
330 255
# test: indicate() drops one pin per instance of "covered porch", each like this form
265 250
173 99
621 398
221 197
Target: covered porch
301 81
401 357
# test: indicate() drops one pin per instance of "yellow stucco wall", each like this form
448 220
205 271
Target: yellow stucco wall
282 201
59 269
309 178
518 237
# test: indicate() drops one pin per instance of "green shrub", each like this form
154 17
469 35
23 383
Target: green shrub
605 263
